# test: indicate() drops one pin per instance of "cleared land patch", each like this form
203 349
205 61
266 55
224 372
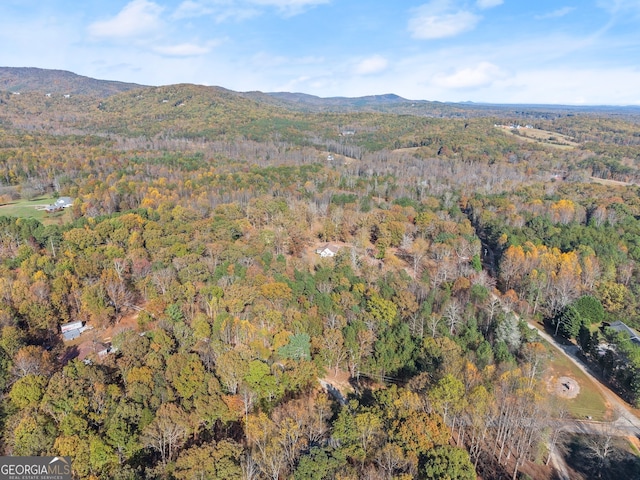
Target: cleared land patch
582 398
604 181
565 387
35 209
535 135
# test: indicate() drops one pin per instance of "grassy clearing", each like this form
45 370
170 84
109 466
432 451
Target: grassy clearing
27 209
549 139
603 181
589 402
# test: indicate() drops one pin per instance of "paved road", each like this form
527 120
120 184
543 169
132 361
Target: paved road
617 428
626 423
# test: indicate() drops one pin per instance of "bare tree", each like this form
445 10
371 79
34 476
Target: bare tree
250 469
432 323
119 294
162 279
599 447
167 432
452 315
391 460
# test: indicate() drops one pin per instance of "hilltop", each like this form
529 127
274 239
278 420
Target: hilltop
61 82
347 126
37 80
230 253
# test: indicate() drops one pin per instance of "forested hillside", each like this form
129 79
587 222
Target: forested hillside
222 344
57 82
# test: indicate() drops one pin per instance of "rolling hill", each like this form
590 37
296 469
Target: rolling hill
61 82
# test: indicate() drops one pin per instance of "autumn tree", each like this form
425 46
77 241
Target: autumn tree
448 462
167 432
213 461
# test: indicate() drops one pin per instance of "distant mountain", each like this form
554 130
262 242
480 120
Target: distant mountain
303 101
372 100
387 103
60 82
27 79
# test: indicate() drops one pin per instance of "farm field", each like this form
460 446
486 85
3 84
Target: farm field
547 138
29 209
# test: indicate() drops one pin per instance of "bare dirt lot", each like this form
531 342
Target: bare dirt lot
92 341
565 387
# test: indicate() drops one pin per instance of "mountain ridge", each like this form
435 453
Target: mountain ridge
63 82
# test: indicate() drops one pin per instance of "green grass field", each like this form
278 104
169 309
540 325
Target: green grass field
27 209
589 402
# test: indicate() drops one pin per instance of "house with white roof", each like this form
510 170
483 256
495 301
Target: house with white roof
328 250
60 204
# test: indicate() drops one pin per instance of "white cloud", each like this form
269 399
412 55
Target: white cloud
189 9
137 18
439 19
480 75
289 3
617 6
220 10
289 7
223 10
371 65
575 86
186 49
560 12
489 3
293 85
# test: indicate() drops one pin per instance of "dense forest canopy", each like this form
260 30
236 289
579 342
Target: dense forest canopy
191 247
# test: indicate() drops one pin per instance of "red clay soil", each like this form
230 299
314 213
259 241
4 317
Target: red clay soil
92 341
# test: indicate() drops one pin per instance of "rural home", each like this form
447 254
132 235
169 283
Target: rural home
60 204
619 327
328 250
71 330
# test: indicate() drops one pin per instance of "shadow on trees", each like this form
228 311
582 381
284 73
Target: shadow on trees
70 353
586 455
488 467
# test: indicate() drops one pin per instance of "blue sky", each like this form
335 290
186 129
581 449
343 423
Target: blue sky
503 51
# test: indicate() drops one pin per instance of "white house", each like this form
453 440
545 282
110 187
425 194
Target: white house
328 250
60 203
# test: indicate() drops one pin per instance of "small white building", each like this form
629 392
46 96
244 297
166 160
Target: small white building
71 330
328 250
60 204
